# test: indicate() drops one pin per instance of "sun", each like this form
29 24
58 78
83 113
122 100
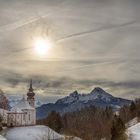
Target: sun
42 45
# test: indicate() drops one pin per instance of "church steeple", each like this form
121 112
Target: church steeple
30 95
31 88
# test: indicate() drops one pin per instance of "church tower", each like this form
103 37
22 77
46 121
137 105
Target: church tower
30 95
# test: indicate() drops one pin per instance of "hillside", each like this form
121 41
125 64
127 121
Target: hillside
2 138
75 101
39 132
134 132
31 133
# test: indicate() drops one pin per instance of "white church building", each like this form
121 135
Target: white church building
24 112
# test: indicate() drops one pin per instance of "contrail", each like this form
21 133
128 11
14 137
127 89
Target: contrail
18 24
21 23
79 34
94 30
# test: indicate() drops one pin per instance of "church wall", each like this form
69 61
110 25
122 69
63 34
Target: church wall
11 119
30 117
31 101
15 119
23 122
18 119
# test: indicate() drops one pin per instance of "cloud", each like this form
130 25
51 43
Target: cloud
96 43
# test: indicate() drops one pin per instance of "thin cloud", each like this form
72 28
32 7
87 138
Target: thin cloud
81 34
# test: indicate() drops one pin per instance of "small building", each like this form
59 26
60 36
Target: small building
24 112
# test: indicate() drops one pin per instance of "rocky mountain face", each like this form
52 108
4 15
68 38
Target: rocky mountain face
75 101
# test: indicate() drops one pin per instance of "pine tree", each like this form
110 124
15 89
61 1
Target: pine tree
1 119
54 121
118 129
133 109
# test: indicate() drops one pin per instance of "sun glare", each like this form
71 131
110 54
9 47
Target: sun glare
42 46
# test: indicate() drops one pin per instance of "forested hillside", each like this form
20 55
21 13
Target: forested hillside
93 123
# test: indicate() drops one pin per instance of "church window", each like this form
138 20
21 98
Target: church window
24 117
29 117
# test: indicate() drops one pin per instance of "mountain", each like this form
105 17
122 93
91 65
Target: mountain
75 101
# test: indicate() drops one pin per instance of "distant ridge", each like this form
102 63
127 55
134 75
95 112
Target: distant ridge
75 101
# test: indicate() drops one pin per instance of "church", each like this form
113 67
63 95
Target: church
24 112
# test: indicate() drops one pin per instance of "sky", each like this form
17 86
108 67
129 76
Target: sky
95 43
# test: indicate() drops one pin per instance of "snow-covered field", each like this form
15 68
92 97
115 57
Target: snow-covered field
2 138
132 122
38 132
134 132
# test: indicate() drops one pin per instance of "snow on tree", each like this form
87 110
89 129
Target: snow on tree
4 104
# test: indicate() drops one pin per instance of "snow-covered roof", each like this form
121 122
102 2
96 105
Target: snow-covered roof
21 105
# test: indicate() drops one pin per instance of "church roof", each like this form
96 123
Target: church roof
21 105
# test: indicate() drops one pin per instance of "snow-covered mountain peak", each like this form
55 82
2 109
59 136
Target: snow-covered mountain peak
74 94
99 93
97 89
96 94
75 101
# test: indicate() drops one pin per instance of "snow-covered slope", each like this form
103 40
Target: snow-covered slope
76 101
134 132
132 122
2 138
39 132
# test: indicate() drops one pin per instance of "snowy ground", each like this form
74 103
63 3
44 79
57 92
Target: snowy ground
32 133
132 122
134 132
2 138
38 132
